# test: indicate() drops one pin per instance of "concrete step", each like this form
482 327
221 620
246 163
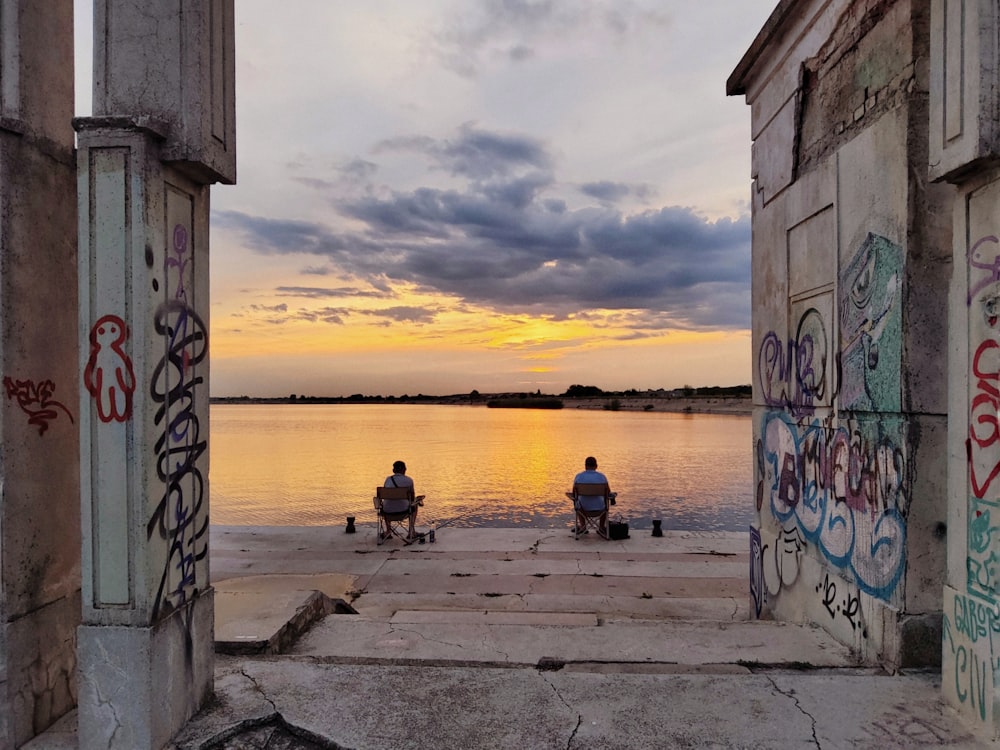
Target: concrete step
449 637
727 609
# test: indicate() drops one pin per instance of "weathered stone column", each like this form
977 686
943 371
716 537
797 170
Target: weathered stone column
851 261
163 130
965 151
39 444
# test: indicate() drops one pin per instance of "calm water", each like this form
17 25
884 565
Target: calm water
291 465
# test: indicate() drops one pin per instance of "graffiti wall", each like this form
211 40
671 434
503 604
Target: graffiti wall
832 460
178 521
871 326
794 372
841 490
971 634
970 661
144 374
983 441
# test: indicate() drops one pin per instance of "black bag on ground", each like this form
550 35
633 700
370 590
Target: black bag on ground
618 529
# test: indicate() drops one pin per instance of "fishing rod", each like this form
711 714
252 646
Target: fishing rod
452 520
421 535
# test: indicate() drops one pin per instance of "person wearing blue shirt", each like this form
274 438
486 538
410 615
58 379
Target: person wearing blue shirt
590 475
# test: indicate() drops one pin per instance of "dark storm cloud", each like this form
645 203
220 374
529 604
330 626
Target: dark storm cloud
613 192
475 153
605 190
502 242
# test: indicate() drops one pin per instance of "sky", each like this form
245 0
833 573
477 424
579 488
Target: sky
436 196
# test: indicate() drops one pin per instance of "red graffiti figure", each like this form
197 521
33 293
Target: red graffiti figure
984 428
108 375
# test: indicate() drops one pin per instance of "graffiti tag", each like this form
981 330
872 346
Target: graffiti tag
35 400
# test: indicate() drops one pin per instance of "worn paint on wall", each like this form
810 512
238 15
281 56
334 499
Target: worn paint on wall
871 326
832 479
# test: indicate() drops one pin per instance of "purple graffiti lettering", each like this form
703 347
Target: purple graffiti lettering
793 375
981 259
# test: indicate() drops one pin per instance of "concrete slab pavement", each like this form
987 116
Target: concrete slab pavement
525 638
407 707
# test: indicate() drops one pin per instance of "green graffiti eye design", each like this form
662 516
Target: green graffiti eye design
864 283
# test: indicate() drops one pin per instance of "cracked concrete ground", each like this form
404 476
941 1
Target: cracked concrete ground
520 638
397 707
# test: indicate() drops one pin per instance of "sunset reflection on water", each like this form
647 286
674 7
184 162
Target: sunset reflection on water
292 465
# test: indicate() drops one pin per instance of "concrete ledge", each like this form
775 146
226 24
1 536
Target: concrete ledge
276 631
454 617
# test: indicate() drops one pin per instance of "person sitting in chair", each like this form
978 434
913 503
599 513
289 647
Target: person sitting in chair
590 475
398 478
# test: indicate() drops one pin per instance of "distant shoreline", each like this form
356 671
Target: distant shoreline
737 405
720 405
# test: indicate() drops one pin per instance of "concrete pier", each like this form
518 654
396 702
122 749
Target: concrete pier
517 638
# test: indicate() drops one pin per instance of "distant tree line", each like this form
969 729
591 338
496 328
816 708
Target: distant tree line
524 399
714 391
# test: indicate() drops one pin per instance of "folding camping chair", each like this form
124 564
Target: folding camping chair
395 506
593 516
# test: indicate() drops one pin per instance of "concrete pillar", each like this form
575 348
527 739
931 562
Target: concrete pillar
965 150
850 266
39 444
162 131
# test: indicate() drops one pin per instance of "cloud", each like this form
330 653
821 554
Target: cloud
500 240
403 314
475 153
333 315
613 192
325 293
514 30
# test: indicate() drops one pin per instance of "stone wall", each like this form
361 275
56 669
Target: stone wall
851 262
964 138
39 444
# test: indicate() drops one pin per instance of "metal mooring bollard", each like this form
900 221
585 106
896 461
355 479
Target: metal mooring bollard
657 531
350 525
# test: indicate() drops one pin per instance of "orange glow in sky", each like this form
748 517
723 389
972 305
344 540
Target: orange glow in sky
501 197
